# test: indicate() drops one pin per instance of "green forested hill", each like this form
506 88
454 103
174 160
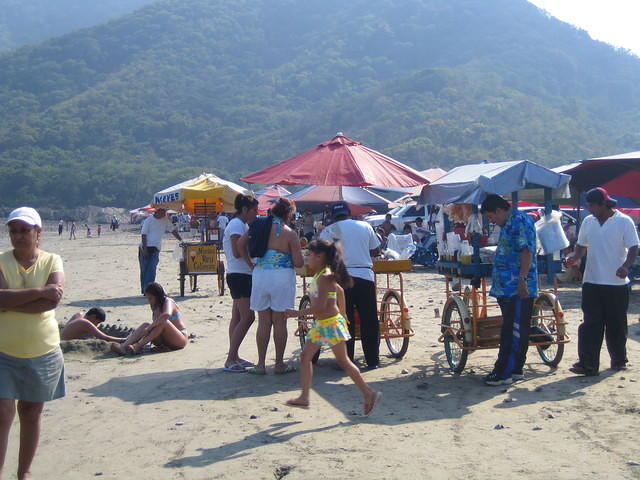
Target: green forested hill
108 114
25 22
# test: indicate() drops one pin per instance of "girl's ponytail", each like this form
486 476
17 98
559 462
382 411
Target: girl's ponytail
334 259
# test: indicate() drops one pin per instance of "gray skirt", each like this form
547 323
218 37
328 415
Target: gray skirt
38 379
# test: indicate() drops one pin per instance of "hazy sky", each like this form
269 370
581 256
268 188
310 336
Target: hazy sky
611 21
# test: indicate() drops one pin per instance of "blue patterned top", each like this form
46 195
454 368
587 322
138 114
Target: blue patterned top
516 234
274 259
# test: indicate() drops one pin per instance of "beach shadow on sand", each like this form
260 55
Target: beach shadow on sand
275 434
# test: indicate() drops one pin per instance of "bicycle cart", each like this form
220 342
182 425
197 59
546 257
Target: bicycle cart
393 315
470 321
200 259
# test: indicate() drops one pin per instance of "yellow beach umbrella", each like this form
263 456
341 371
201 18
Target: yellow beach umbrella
202 194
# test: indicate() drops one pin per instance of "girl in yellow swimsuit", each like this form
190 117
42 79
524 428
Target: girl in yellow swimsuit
327 306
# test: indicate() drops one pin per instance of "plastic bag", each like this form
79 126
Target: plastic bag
551 236
407 252
178 254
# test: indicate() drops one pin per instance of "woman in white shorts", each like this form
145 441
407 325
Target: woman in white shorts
273 286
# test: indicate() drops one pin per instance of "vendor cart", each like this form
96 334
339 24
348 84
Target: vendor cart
470 321
393 315
200 258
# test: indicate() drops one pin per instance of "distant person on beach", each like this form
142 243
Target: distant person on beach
31 362
273 285
514 284
99 229
611 240
88 230
166 330
222 221
308 225
153 229
359 244
72 231
85 325
60 227
330 328
387 225
239 267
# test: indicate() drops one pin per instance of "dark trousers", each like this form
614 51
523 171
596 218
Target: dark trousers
514 335
604 311
362 297
148 266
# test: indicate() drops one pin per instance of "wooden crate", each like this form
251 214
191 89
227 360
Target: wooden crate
391 266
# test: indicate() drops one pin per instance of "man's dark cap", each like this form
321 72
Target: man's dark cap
338 209
599 195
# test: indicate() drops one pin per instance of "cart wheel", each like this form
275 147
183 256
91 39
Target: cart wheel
391 318
304 325
221 277
545 305
453 316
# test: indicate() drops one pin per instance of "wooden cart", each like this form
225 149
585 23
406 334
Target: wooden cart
470 322
200 258
393 315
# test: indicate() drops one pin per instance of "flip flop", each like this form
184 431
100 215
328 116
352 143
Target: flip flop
372 404
289 403
254 371
288 369
234 368
246 363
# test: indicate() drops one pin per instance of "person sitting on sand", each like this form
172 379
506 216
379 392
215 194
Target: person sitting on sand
166 331
85 326
330 328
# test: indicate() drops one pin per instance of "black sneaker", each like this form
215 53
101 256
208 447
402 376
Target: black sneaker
619 367
494 380
517 376
580 370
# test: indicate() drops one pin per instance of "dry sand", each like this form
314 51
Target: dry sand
179 416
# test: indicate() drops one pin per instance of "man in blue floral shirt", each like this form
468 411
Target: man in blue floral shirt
514 284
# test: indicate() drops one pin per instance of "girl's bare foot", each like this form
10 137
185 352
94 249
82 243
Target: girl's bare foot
297 402
370 402
117 348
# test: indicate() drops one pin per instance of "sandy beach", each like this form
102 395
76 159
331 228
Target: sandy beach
179 416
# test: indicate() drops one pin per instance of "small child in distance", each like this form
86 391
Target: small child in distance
82 326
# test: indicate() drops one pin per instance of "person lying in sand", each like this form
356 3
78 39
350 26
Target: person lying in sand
166 331
83 326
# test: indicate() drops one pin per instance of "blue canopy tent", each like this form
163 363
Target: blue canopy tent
472 183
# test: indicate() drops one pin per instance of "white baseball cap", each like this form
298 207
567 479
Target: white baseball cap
27 215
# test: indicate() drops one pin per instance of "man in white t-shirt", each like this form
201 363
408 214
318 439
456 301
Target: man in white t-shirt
612 242
419 230
359 243
223 221
153 229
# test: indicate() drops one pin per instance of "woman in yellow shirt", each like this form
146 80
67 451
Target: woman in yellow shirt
31 363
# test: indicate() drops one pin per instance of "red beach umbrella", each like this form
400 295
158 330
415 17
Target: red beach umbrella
339 161
268 196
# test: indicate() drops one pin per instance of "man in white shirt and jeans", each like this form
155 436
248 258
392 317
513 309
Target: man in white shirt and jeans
612 242
359 243
153 229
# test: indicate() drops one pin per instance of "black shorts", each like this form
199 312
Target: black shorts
239 285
